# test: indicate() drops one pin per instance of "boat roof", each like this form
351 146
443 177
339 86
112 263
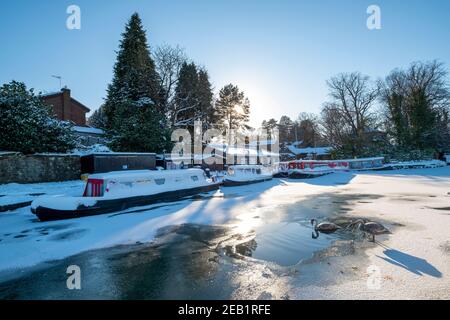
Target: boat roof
243 167
139 174
339 160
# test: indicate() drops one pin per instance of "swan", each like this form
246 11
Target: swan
324 227
373 228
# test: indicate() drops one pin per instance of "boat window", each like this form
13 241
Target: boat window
194 178
160 181
258 171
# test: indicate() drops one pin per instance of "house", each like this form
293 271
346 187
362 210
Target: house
309 153
66 108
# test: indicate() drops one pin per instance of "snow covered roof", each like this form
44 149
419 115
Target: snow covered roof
50 93
5 153
64 90
189 157
318 151
119 154
246 166
89 130
139 174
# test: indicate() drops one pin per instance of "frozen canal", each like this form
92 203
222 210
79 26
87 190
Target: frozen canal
251 242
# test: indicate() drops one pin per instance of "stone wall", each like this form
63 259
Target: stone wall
19 168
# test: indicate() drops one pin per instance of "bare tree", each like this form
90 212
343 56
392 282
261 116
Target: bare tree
349 115
353 95
332 127
169 60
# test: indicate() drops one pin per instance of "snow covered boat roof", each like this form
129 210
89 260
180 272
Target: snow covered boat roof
340 160
139 174
246 166
118 154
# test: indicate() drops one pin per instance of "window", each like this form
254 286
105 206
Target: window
160 182
194 178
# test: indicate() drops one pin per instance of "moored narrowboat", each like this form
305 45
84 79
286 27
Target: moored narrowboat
116 191
246 174
305 169
308 169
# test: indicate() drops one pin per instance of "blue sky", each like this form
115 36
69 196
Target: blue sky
279 52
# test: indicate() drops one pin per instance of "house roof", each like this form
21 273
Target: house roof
89 130
58 93
318 151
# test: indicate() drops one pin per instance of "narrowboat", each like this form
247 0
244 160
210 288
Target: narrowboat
281 170
246 174
305 169
116 191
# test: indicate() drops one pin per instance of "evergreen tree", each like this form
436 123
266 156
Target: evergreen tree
205 94
269 126
308 130
134 105
187 103
28 125
233 108
417 102
142 130
286 129
98 119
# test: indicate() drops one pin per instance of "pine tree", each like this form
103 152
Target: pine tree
286 129
134 105
233 108
143 130
98 119
269 126
187 103
28 125
205 95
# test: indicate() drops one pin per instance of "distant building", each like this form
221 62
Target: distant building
66 108
90 136
295 151
221 154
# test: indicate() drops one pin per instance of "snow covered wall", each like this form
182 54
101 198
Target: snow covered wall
19 168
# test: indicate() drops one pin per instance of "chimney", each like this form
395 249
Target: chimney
66 103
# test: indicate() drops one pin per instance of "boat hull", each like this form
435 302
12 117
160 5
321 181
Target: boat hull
114 205
281 175
232 183
305 175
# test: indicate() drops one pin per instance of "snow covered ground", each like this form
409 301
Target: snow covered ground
413 262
